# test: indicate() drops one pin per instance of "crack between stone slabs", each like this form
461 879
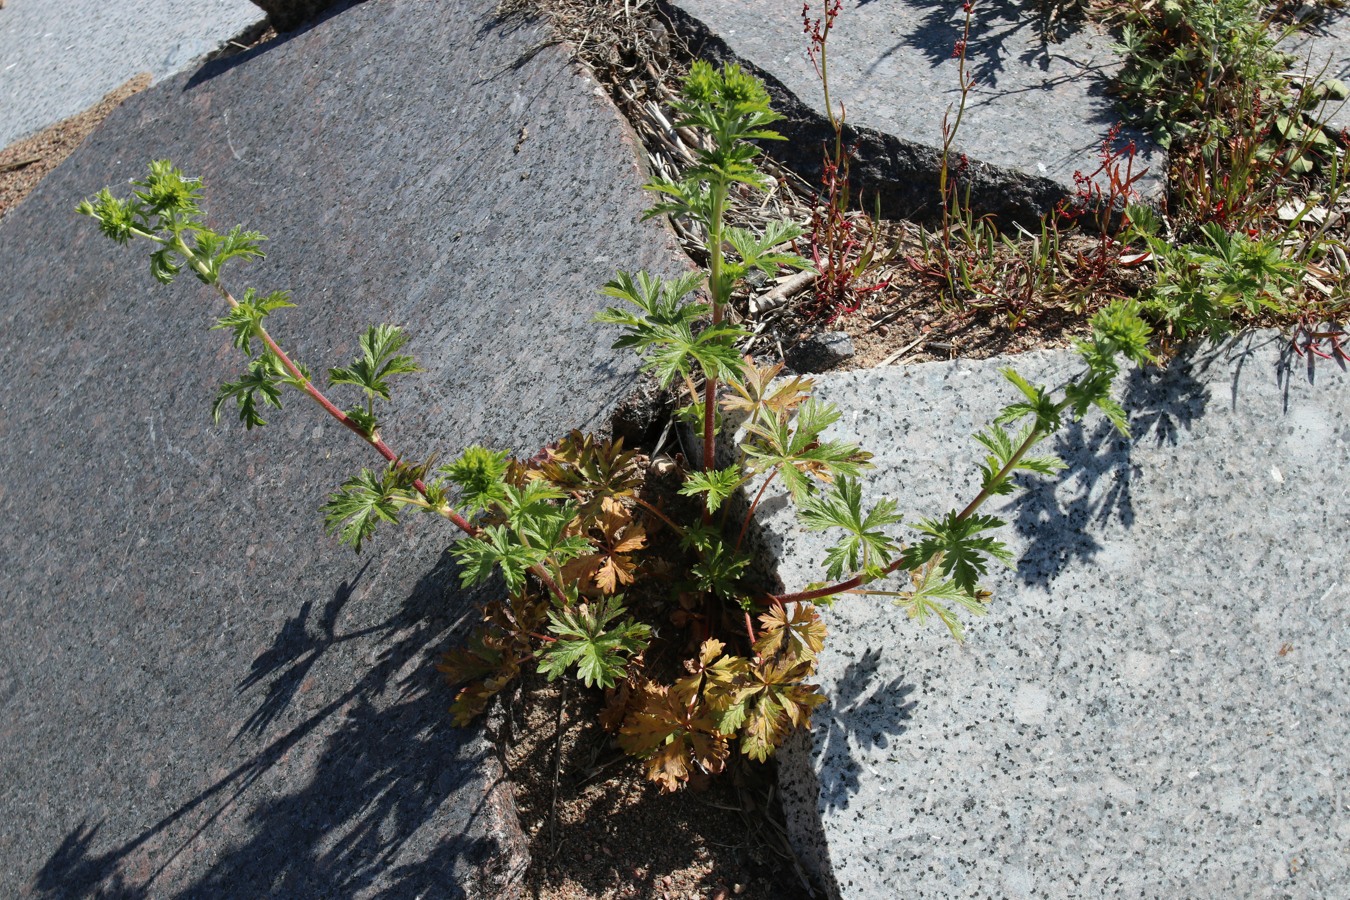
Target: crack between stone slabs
901 174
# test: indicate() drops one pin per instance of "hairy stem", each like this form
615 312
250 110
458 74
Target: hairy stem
719 192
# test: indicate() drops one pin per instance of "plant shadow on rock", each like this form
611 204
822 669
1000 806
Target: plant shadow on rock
863 712
996 31
224 61
1056 515
382 762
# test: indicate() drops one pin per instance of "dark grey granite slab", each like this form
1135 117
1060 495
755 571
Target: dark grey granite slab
1154 704
1037 114
200 693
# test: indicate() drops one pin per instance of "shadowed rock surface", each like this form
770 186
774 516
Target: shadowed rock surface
202 694
1152 706
1037 114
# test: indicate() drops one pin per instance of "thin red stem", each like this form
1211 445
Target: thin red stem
750 513
660 515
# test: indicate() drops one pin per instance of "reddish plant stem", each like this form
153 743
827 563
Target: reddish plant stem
329 407
384 450
859 580
660 515
750 513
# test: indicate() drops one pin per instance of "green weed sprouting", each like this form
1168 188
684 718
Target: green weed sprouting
568 530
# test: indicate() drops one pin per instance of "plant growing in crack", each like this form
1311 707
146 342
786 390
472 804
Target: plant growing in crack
572 531
843 246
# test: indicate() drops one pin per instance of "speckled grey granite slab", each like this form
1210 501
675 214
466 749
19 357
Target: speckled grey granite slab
1324 50
58 57
201 694
1037 114
1154 705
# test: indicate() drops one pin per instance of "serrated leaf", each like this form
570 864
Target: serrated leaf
841 507
796 633
931 598
245 319
363 502
959 547
379 362
480 474
672 737
261 384
756 395
715 486
496 546
586 639
796 451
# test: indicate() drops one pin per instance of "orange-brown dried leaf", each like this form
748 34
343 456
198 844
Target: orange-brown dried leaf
777 700
473 699
757 392
671 738
794 631
615 537
618 700
581 464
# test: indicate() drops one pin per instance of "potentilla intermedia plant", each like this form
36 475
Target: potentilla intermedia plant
570 531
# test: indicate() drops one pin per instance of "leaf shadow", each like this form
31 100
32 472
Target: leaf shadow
1055 515
337 804
864 711
293 653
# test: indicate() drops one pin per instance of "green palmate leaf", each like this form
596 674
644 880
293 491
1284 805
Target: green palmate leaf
663 331
1117 330
245 320
261 384
865 546
380 361
959 548
117 219
586 638
166 190
496 545
933 597
796 450
1001 445
733 107
480 474
366 500
535 500
758 253
729 103
365 420
1038 404
719 567
164 265
214 250
715 486
689 197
